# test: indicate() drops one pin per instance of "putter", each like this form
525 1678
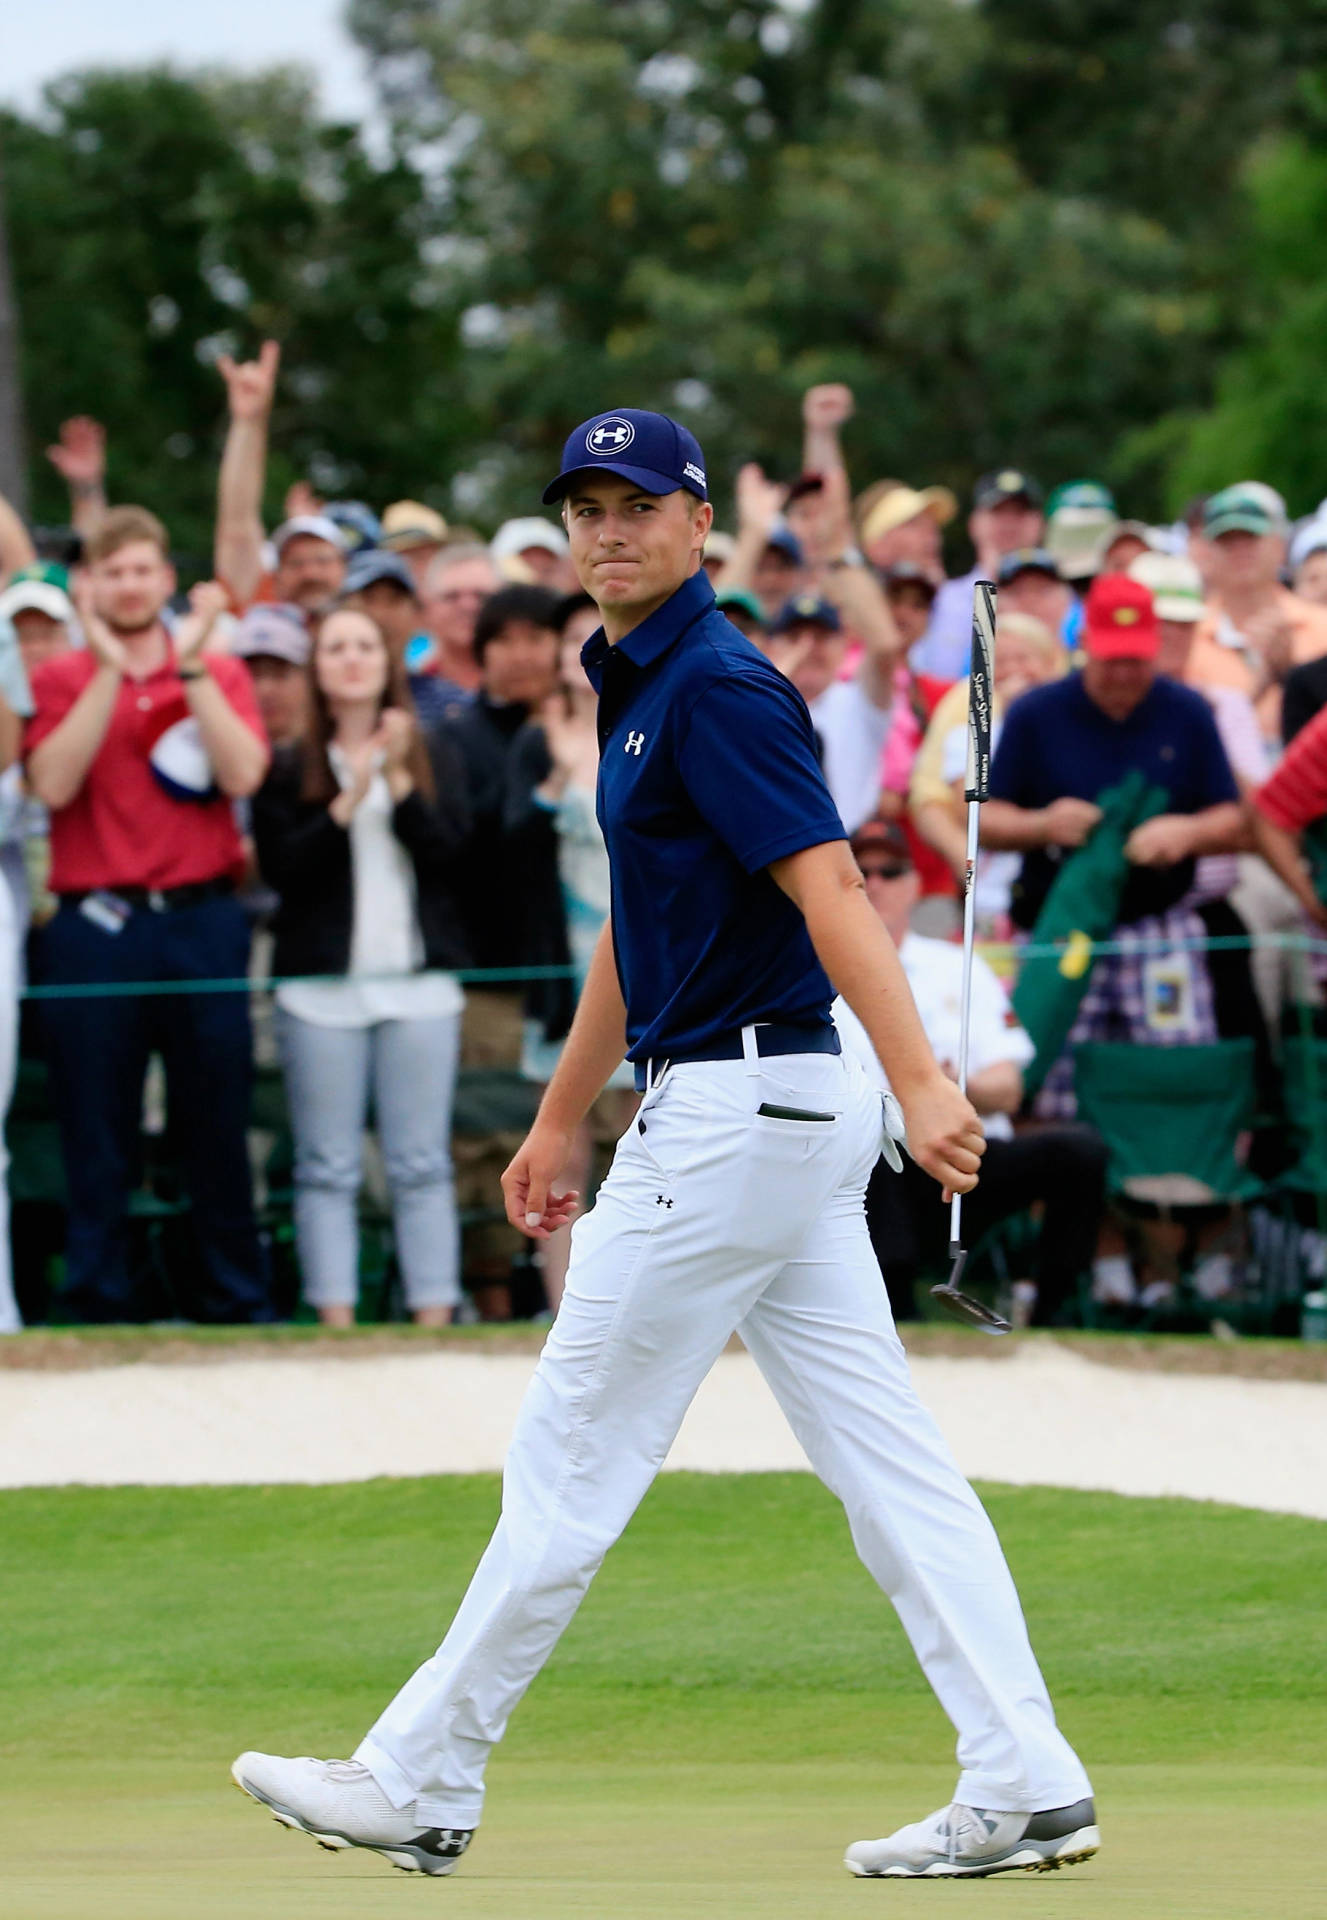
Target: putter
976 788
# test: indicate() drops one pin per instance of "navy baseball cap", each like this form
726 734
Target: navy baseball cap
808 610
1027 560
652 451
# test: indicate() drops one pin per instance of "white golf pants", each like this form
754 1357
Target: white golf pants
717 1218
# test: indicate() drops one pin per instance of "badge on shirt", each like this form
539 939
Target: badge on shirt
1168 993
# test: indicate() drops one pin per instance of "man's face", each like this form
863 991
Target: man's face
917 540
1019 664
1239 562
1118 686
911 608
279 688
633 550
1045 599
1176 643
892 888
551 570
1311 579
40 637
1005 527
309 572
521 663
395 611
1123 550
131 586
814 656
453 597
775 578
419 560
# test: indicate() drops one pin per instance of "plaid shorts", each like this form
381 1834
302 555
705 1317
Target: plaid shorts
1155 992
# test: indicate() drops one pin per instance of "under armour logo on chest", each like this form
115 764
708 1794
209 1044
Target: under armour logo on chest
635 741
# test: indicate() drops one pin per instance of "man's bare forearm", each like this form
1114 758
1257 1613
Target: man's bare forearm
238 555
596 1044
1010 829
238 757
1281 851
16 548
858 595
59 766
861 960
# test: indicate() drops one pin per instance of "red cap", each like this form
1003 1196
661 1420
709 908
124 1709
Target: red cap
1120 621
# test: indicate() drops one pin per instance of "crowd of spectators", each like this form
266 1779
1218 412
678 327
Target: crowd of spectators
366 751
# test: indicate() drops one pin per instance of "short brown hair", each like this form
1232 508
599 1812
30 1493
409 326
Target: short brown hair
120 527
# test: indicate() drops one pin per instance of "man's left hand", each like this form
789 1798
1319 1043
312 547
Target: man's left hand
207 602
1162 842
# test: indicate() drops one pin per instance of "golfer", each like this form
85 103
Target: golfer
734 1204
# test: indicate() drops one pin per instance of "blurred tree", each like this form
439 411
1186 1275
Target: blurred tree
1147 104
705 207
157 220
1269 418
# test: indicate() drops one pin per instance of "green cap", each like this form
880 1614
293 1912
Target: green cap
1081 493
739 597
46 571
1238 509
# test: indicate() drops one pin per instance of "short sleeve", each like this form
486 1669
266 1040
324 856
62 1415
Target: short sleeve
54 692
748 761
996 1033
1015 759
1215 781
1296 794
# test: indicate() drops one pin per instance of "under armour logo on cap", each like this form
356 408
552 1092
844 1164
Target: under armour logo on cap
610 436
653 453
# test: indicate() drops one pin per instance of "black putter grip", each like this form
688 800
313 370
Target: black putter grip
981 691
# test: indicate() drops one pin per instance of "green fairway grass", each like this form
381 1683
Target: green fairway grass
733 1704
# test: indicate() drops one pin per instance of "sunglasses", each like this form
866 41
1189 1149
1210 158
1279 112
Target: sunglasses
874 872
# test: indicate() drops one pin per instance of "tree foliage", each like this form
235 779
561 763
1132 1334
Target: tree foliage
156 220
1024 230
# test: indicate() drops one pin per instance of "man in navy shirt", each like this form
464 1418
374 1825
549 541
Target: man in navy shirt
735 1203
1065 744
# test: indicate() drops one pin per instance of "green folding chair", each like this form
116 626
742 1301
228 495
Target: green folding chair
1177 1122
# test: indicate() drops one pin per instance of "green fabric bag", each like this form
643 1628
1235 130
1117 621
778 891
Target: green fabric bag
1079 909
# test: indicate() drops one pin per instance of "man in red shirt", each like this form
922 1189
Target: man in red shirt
1285 807
138 745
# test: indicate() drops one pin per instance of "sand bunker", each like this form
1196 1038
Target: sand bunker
1041 1415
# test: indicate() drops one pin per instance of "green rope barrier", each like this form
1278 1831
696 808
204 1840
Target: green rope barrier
996 951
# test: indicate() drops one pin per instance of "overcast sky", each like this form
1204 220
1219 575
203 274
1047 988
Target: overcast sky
49 37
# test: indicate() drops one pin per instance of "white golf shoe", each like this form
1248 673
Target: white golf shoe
966 1842
341 1804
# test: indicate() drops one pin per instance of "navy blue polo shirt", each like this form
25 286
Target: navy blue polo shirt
707 774
1056 741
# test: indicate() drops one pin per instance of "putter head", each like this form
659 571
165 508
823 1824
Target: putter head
962 1305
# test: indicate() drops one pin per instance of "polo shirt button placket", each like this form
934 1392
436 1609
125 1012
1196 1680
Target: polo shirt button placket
157 901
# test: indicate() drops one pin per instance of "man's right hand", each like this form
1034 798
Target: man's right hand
532 1207
1068 822
945 1136
759 501
251 384
79 455
102 642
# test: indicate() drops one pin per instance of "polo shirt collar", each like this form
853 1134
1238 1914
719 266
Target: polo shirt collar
653 637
